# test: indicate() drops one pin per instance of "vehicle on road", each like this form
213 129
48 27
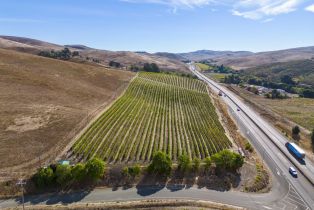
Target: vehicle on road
295 150
238 109
293 172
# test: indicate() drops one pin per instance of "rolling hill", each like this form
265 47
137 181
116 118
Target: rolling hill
244 59
126 58
45 102
302 70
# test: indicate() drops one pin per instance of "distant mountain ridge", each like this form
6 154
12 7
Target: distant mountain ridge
246 59
171 61
210 54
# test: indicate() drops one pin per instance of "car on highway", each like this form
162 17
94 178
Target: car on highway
238 109
293 172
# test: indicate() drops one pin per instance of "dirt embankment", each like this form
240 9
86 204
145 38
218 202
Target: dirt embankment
45 102
143 204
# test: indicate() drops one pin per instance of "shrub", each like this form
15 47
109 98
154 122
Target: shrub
184 163
95 169
44 177
78 172
196 164
228 160
63 174
134 170
208 162
295 130
161 164
249 147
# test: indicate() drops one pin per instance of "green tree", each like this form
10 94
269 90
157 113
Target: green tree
196 164
295 130
63 174
44 177
134 170
161 164
237 162
184 163
208 162
228 160
78 172
95 168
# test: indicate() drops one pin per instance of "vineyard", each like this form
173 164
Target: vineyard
157 112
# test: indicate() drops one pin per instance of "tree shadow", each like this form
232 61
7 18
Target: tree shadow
150 184
55 198
222 181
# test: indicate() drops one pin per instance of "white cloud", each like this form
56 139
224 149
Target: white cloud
251 9
310 8
260 9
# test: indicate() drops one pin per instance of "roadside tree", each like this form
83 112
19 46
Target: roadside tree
95 169
161 164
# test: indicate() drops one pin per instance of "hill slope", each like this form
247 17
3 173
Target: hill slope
126 58
303 70
43 101
245 59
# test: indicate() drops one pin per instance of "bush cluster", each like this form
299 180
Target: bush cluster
64 54
227 160
131 171
65 175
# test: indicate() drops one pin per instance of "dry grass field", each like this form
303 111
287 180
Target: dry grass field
44 102
284 113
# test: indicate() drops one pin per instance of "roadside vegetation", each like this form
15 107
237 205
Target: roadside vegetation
158 111
59 175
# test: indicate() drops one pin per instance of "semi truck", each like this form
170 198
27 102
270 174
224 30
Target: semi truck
296 150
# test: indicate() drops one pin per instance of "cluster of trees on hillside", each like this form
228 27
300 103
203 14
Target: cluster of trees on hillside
64 54
65 175
151 67
115 64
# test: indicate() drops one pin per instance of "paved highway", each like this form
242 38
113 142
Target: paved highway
286 193
269 142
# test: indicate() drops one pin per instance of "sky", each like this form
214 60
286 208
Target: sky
163 25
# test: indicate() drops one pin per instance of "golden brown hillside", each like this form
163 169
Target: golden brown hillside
44 102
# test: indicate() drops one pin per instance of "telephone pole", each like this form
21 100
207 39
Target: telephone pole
21 183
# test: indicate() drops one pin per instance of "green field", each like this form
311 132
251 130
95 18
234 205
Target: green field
217 76
157 112
203 67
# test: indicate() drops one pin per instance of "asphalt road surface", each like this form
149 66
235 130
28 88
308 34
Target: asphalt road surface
286 193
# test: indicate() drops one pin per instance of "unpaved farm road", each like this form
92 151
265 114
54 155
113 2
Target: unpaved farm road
286 192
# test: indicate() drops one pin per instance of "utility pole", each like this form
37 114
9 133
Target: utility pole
21 183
